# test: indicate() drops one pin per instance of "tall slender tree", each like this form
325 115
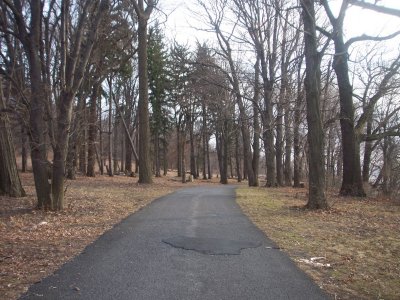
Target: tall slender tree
158 81
143 14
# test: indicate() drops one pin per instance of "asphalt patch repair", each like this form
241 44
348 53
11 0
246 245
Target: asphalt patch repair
210 246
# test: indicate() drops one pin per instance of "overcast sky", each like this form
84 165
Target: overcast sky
358 21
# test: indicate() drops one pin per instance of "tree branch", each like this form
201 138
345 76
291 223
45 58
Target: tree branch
365 37
377 8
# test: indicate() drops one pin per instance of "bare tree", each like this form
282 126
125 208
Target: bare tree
316 198
143 14
214 18
352 181
260 18
75 49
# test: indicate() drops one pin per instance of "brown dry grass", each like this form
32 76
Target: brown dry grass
33 243
360 239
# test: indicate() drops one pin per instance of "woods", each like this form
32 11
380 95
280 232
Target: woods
279 95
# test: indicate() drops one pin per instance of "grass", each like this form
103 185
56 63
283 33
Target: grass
359 239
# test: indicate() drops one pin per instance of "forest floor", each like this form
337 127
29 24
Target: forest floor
352 250
34 243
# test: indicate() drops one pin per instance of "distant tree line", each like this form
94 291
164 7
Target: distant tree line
96 87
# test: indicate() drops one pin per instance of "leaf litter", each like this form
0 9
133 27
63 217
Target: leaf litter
34 243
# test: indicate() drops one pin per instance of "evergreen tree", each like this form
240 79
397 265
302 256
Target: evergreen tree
157 72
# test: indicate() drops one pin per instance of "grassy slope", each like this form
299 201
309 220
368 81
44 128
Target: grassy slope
360 239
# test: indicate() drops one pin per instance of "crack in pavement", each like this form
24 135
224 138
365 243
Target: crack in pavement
210 246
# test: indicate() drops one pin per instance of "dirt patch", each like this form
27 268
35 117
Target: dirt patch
352 250
33 244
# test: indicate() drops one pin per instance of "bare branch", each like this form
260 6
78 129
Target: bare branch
365 37
377 8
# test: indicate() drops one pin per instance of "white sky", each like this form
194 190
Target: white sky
358 21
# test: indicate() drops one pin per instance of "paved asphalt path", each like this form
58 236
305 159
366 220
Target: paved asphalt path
146 256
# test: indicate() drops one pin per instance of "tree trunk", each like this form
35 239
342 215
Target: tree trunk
315 137
386 168
24 154
352 184
205 138
145 173
279 118
179 150
246 143
72 152
268 123
157 154
218 147
238 160
367 154
279 144
225 151
165 160
288 147
63 126
115 143
204 155
256 123
296 131
82 137
72 155
93 131
128 150
122 152
37 111
110 145
243 118
10 183
192 153
209 171
183 166
128 156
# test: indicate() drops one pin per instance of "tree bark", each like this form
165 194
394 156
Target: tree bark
208 159
63 125
72 154
10 183
279 144
315 137
93 128
296 131
268 124
238 160
145 172
205 139
256 123
24 154
183 165
367 154
192 153
352 182
81 134
288 147
179 150
36 109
